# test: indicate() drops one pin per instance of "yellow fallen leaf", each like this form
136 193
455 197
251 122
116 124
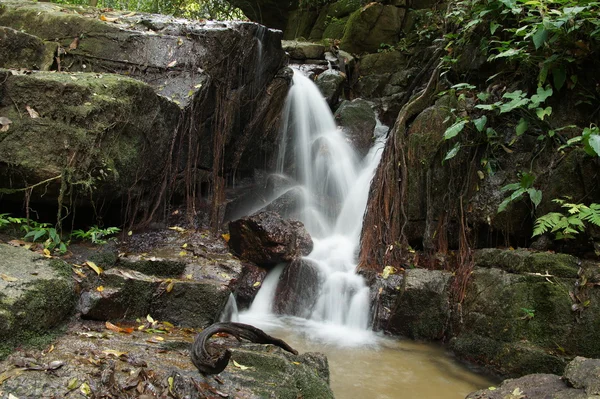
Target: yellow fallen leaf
188 276
387 271
85 389
150 319
100 288
158 338
225 275
130 233
8 278
240 366
93 266
32 112
106 19
78 272
112 352
73 383
257 284
226 237
177 228
170 286
184 246
297 363
47 253
182 253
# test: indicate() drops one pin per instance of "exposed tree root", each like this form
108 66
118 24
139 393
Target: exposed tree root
208 363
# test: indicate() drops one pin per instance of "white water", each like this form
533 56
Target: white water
325 169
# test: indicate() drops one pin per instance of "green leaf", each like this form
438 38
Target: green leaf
452 153
559 76
594 142
453 130
493 27
540 36
542 112
506 54
522 127
480 123
535 196
541 96
543 75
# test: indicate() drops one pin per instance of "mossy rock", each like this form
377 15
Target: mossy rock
21 50
335 28
91 130
155 267
388 62
316 33
36 297
358 120
371 26
524 261
343 8
299 24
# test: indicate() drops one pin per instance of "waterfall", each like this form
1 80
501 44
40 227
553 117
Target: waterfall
332 184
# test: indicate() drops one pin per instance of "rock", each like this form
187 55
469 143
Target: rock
335 28
385 295
123 362
102 123
535 386
300 23
582 373
371 26
343 8
21 50
358 121
36 296
423 309
247 285
298 288
524 261
331 83
267 239
303 50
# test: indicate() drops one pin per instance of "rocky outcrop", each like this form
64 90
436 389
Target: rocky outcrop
267 239
358 120
37 296
22 50
99 361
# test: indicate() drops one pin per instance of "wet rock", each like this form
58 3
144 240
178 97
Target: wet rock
385 297
298 288
371 26
248 283
330 83
36 296
118 364
358 121
582 373
267 239
423 309
303 50
21 50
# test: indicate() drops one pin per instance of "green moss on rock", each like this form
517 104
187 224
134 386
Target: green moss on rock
524 261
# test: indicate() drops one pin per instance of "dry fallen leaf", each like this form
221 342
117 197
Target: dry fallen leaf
93 266
74 44
32 112
240 366
112 352
257 284
106 19
85 389
4 124
177 228
170 286
116 328
8 278
172 64
226 237
100 288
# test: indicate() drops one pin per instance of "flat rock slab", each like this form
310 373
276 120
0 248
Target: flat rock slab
36 295
155 361
21 50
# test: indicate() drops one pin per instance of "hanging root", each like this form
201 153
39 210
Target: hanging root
214 364
383 236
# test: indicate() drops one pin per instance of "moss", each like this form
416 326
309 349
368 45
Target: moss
524 261
343 8
106 259
62 268
335 28
159 268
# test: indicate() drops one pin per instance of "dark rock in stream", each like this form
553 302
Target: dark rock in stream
106 363
331 83
298 288
267 239
248 283
358 121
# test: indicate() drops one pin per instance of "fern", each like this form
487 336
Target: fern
570 223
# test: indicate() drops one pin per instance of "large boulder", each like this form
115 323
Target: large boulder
303 50
21 50
267 239
371 26
37 295
331 83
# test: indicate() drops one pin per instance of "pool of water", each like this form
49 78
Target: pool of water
387 368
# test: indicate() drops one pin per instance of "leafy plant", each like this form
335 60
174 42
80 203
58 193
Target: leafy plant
529 313
386 48
589 138
567 224
52 240
518 190
95 234
7 220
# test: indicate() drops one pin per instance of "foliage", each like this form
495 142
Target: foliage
589 138
548 36
193 9
566 225
35 231
95 234
518 190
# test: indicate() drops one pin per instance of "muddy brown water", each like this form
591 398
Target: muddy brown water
394 369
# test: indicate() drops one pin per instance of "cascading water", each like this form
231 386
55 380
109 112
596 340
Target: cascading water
332 185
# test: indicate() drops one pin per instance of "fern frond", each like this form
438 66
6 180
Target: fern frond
591 214
547 222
